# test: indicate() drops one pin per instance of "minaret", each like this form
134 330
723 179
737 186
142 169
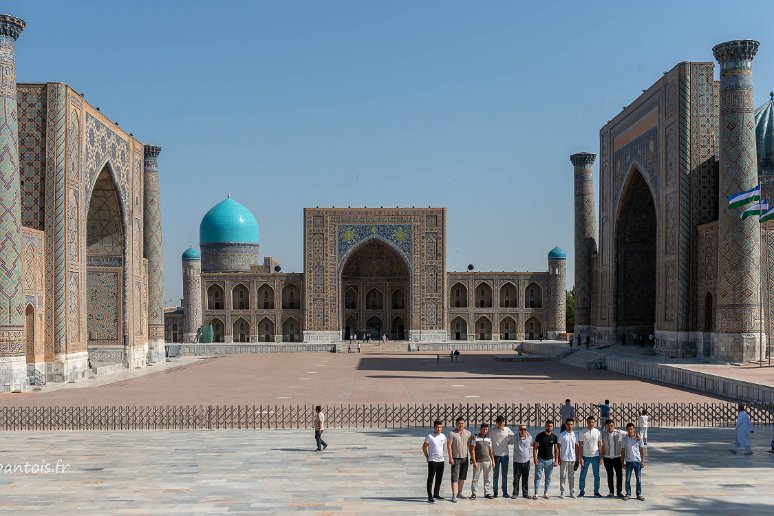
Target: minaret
556 324
192 294
738 305
153 252
13 367
585 238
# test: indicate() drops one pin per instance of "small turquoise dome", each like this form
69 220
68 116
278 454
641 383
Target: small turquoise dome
191 254
557 253
228 222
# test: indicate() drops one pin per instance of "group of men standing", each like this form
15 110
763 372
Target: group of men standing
488 452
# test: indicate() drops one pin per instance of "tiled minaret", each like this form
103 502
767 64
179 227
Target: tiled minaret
152 245
192 294
738 305
585 238
557 296
13 368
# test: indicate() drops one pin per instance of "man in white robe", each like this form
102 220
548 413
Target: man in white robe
743 430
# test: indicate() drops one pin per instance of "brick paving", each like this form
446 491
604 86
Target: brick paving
300 378
379 471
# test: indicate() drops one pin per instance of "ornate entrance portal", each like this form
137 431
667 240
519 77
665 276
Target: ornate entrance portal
375 292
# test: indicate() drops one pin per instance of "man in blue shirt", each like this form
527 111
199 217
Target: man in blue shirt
633 459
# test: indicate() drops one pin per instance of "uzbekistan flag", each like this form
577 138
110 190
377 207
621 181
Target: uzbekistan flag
756 209
767 216
744 198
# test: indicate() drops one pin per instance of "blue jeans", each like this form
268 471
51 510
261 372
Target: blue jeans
546 465
633 466
594 463
501 465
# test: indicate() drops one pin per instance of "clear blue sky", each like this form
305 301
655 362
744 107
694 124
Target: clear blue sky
474 106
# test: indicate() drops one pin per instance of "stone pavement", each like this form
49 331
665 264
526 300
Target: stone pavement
363 471
303 378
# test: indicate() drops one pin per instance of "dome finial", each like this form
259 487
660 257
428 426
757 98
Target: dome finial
228 195
771 94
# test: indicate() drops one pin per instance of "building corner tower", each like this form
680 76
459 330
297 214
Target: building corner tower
152 245
13 366
557 297
737 336
585 239
192 294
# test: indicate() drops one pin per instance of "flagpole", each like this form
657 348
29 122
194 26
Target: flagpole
760 302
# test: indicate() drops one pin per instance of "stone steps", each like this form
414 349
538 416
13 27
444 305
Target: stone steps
584 359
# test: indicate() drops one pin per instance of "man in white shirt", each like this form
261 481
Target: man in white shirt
590 445
502 437
522 454
433 451
568 454
319 426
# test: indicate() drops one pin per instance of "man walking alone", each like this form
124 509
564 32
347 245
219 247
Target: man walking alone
319 426
743 430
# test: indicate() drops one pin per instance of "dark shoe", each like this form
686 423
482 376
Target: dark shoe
318 449
325 446
641 498
581 495
625 498
472 497
495 495
430 499
489 496
771 450
505 495
438 497
598 495
528 496
516 496
610 495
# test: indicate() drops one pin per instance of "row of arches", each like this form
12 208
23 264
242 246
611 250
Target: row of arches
264 330
375 299
482 329
375 327
240 297
483 295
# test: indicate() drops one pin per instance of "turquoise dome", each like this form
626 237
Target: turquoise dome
228 222
557 253
191 254
764 135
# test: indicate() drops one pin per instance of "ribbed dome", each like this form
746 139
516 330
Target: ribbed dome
228 222
764 135
191 254
557 253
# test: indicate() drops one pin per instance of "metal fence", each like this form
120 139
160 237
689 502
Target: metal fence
212 417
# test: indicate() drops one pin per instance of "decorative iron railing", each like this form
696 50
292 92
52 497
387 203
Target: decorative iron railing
212 417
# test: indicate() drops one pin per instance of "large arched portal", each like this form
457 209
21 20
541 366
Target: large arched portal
105 253
376 274
636 259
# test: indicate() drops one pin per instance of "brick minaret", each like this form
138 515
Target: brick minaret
738 305
192 294
152 245
13 368
585 238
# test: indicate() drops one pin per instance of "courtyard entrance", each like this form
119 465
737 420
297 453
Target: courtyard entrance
636 260
375 292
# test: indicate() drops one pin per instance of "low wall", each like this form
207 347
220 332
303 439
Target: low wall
220 348
704 382
543 348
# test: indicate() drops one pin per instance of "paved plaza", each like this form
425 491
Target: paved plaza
362 471
302 378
